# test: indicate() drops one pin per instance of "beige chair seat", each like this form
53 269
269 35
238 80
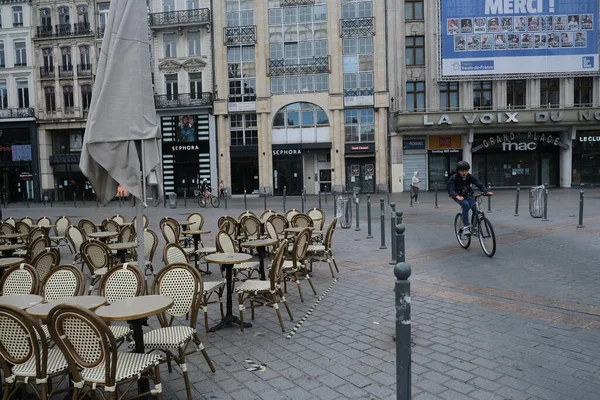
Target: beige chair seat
253 286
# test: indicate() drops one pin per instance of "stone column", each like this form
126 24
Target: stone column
381 149
223 154
566 158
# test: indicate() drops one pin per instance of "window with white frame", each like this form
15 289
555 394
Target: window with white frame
357 9
102 17
84 56
86 97
193 4
168 5
23 93
415 96
68 99
299 83
170 44
2 57
239 12
243 129
242 73
48 59
3 95
67 62
195 85
357 55
296 115
193 43
50 98
20 53
359 125
171 86
17 12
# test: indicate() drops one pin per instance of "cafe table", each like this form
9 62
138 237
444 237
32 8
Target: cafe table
135 311
297 230
185 224
122 248
9 249
227 260
13 236
197 236
260 246
42 309
21 301
103 236
10 261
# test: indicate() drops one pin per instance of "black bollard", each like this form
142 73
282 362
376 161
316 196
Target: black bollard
393 232
120 199
545 202
326 197
400 248
83 197
357 216
51 197
164 198
388 195
26 199
517 201
382 220
226 195
302 199
403 332
369 233
411 195
284 194
334 206
75 199
265 197
489 188
436 195
320 199
184 198
245 201
580 206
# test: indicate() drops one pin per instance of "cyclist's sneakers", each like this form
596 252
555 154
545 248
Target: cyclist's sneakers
466 231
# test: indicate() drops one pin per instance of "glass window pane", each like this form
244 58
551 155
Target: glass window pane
308 118
293 119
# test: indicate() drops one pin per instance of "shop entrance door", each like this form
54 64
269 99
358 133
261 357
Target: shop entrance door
360 172
244 174
441 168
288 173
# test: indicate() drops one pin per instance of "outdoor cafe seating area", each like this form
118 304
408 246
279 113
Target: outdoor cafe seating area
75 303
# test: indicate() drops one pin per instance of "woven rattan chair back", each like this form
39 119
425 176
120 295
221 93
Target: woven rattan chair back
76 237
182 283
266 214
271 231
250 226
198 221
145 220
150 244
170 234
23 227
232 226
329 234
245 213
62 224
109 225
45 261
11 221
225 243
87 226
35 233
20 279
276 270
119 219
318 217
6 228
290 214
36 246
174 253
301 220
44 221
280 223
300 247
96 255
27 220
126 234
122 282
63 281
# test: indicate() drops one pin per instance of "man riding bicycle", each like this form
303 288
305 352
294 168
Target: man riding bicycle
459 188
205 188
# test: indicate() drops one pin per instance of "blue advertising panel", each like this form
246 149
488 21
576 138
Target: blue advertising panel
506 37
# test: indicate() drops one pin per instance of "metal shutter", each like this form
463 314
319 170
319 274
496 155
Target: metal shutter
412 163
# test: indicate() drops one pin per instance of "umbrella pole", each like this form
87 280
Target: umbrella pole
139 212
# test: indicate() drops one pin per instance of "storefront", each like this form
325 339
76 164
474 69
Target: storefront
19 166
298 166
586 158
360 167
415 159
444 152
244 169
69 181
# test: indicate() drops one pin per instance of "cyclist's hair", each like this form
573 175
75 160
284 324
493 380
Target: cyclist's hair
463 166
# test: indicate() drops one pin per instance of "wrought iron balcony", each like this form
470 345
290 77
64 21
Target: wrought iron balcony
84 69
17 113
100 32
47 72
309 65
82 28
182 17
239 35
64 30
285 3
357 27
358 92
44 31
183 100
65 71
16 24
21 64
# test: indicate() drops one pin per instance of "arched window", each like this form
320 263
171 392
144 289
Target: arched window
296 115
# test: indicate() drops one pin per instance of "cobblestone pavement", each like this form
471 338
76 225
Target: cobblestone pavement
524 324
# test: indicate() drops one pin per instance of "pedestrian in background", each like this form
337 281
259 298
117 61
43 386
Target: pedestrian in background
221 189
415 187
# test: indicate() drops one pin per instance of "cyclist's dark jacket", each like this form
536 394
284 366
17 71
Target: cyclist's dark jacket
462 187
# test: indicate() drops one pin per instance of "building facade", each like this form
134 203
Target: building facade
66 42
19 166
301 97
525 129
183 83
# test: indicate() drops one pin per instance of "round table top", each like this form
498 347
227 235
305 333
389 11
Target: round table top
13 235
196 232
123 223
45 226
10 261
102 235
297 229
122 246
185 223
135 308
21 301
259 243
10 247
42 309
227 258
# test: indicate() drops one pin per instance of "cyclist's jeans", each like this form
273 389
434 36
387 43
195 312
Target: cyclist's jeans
466 205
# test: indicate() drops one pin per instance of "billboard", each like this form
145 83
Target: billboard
506 37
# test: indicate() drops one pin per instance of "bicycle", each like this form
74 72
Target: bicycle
208 196
480 227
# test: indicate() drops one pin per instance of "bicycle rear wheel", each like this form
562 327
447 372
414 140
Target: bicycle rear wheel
215 202
487 238
201 201
463 240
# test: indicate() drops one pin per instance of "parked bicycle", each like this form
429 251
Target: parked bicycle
480 227
208 197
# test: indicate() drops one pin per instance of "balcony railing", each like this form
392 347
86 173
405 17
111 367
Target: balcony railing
82 28
16 24
183 100
309 65
47 72
100 32
44 31
357 27
358 92
64 30
65 159
21 64
17 113
239 35
65 71
84 69
196 16
285 3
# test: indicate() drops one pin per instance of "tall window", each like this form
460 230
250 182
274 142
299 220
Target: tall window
86 97
82 16
168 5
515 93
357 9
23 93
359 125
50 98
305 115
415 96
3 95
46 19
449 99
63 16
193 43
65 53
84 57
170 43
193 4
243 129
239 12
102 17
48 59
17 16
68 100
413 10
482 95
584 89
358 66
171 86
195 85
2 57
415 50
242 73
549 92
20 54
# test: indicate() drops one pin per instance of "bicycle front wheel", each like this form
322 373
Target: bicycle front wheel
463 240
487 238
201 201
215 202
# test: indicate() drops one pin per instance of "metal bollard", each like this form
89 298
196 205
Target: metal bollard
164 198
436 195
51 197
545 202
83 197
357 216
304 193
184 198
302 199
284 194
393 232
226 195
403 332
400 247
411 196
245 201
320 199
489 198
265 197
580 225
334 206
120 199
26 199
369 233
388 196
326 197
75 199
382 222
517 201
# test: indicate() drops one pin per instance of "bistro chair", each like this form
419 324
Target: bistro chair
266 214
87 226
62 224
108 225
97 256
23 228
226 244
19 279
11 221
76 237
34 247
44 221
301 220
246 213
45 261
145 221
198 221
318 217
6 228
280 223
119 219
63 281
324 253
91 352
27 220
290 213
231 226
295 265
37 232
250 227
150 245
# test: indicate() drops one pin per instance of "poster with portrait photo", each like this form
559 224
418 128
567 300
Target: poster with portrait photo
553 40
500 42
473 42
587 21
466 25
547 24
487 42
580 39
533 23
493 25
540 40
186 129
573 23
527 40
560 22
507 24
514 41
75 141
566 39
460 43
520 24
453 26
480 25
